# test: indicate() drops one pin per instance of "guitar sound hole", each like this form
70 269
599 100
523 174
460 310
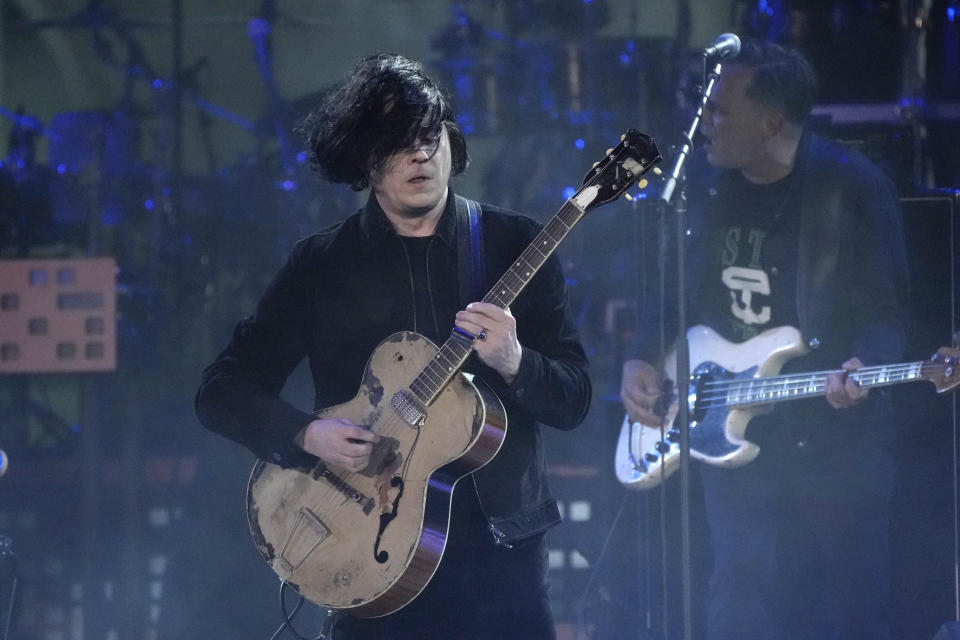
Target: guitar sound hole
386 518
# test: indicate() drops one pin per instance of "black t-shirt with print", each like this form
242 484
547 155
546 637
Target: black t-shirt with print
748 281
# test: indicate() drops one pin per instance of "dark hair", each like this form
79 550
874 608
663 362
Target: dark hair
782 78
386 104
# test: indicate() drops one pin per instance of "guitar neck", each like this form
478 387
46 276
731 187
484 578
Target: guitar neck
456 349
534 256
767 390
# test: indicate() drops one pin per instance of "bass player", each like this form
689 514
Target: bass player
787 228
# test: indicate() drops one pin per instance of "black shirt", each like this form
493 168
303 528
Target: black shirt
749 280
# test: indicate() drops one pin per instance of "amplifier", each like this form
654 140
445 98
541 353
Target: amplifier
925 510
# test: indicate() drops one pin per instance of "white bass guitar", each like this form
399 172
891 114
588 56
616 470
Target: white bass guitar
731 383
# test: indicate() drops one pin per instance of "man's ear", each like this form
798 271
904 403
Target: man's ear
772 123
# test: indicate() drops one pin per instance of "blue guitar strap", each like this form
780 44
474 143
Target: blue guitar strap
469 251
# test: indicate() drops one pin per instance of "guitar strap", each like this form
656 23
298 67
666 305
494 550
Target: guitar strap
470 263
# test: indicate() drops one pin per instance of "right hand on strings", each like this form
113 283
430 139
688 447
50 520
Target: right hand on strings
339 443
640 390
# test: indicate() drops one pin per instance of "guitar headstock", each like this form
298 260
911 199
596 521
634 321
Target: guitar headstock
943 369
636 154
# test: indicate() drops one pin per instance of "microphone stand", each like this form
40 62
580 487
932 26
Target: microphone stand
677 178
6 552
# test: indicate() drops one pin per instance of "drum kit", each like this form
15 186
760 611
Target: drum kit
112 183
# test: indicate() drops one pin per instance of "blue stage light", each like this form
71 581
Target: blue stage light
465 122
111 215
579 143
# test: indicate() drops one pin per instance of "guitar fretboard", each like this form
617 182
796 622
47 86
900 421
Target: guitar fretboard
766 390
456 349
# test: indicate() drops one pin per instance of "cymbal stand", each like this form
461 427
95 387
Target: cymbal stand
6 552
259 31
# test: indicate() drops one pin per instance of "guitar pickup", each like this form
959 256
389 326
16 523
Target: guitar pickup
408 408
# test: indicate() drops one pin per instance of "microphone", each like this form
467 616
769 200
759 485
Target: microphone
726 45
4 462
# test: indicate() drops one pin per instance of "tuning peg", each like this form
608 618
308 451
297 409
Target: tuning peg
623 137
643 183
626 194
609 151
658 171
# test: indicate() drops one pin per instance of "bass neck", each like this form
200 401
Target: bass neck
771 389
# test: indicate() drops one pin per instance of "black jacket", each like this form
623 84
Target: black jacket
345 289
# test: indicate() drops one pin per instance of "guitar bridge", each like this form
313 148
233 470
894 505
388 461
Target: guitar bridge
344 487
307 532
408 408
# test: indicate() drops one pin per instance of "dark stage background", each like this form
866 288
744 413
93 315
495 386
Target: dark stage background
160 133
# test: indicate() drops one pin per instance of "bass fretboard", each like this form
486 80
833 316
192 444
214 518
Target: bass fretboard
767 390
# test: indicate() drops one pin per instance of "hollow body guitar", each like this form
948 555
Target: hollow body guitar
369 542
731 383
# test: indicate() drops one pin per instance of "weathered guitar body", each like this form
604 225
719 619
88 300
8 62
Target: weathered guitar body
321 530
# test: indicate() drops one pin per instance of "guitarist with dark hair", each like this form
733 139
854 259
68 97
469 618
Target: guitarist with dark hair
408 261
788 229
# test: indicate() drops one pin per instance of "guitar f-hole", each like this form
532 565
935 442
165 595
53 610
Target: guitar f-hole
386 518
